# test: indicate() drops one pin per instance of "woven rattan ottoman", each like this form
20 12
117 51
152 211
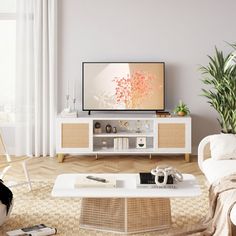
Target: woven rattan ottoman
126 208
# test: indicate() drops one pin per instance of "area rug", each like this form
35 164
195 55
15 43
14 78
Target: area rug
39 207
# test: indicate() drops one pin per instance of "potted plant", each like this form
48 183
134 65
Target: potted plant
181 109
220 75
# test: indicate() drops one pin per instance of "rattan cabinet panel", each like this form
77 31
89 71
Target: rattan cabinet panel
132 215
75 135
171 135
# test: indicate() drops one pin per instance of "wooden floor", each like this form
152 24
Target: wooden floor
46 168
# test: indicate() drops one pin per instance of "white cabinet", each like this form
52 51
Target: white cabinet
125 134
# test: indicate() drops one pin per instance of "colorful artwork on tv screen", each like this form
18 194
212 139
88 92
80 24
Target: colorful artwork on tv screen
123 86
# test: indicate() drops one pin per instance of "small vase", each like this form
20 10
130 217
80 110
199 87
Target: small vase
108 128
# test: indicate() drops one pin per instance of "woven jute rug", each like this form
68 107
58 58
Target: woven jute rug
39 207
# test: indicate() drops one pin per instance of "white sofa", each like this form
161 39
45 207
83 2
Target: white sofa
215 169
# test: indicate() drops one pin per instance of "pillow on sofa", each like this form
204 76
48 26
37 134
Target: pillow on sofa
223 146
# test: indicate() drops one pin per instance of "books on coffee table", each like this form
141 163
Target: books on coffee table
147 180
95 181
36 230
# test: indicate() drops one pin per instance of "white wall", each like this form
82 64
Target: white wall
181 33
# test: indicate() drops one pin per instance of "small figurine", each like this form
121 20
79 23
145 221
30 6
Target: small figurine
108 128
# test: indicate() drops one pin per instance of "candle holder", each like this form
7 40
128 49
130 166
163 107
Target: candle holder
67 101
68 111
74 104
138 126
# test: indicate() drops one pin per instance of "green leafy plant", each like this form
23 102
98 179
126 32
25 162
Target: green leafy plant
181 109
220 75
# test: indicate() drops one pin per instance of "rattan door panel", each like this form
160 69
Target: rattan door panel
171 135
75 135
132 215
103 213
144 214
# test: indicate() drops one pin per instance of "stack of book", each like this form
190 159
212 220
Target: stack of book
163 114
147 180
95 181
36 230
121 143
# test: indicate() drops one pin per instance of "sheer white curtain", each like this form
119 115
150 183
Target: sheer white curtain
36 77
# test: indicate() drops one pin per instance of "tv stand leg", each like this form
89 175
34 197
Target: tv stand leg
96 157
89 113
150 156
187 157
60 157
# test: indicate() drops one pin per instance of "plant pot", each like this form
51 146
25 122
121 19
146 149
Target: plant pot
181 113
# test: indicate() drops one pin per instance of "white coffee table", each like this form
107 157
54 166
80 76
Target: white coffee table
126 208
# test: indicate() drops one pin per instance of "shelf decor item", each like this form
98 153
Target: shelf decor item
141 142
114 130
124 124
220 75
181 109
121 143
108 128
138 126
97 128
104 144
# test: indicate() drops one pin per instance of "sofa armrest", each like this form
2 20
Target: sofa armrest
203 151
233 215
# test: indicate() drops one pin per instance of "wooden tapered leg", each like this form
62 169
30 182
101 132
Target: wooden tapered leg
60 157
150 156
187 157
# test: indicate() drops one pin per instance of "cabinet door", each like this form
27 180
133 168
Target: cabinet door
75 135
171 135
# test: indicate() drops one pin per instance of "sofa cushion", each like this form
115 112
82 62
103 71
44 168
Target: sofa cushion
223 146
233 214
216 169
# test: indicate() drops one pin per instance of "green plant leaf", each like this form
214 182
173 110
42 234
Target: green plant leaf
220 76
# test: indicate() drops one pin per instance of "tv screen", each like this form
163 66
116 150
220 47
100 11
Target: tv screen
123 86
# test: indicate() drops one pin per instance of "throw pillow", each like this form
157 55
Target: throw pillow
223 146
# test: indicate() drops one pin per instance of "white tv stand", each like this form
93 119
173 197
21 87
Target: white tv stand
162 135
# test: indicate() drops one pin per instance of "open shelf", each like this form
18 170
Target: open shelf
125 139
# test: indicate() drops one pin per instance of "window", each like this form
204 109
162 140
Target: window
7 59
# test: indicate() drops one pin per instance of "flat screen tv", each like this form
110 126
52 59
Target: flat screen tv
123 86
